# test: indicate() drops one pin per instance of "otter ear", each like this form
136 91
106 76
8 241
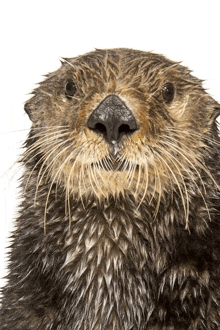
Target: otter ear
214 108
27 108
31 106
216 112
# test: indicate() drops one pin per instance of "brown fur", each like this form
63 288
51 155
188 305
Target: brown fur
120 226
137 79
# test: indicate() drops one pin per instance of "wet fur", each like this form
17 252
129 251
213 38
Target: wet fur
132 248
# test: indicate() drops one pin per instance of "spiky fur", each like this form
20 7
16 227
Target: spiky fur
98 248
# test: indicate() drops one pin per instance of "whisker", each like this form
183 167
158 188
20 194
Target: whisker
89 171
132 168
191 136
178 185
173 161
44 141
44 130
128 165
70 177
12 175
16 131
154 191
99 173
188 171
138 180
82 179
202 166
46 168
159 195
39 162
56 176
94 177
146 184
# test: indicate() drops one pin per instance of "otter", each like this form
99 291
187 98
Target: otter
119 222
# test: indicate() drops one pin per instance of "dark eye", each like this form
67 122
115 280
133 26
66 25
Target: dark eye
70 89
168 92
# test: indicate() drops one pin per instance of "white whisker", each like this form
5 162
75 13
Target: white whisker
185 207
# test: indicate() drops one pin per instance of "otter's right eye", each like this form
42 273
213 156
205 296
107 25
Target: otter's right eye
70 89
168 92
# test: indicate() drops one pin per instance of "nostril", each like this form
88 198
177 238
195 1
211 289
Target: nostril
125 129
100 128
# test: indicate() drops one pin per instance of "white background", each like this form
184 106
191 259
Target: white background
35 34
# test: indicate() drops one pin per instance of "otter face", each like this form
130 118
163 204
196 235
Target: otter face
121 120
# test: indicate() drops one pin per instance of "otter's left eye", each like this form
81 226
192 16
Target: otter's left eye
70 89
168 92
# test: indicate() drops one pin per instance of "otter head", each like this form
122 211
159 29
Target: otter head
116 121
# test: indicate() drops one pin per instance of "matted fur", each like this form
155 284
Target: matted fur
123 242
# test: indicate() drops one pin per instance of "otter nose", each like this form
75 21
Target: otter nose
112 119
